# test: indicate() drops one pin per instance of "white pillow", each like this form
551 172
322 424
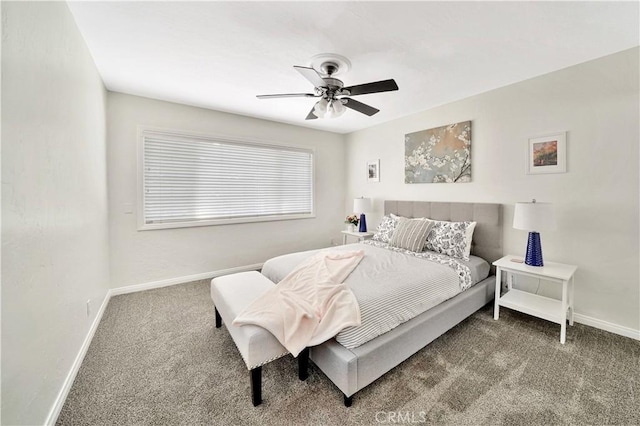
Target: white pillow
385 228
451 238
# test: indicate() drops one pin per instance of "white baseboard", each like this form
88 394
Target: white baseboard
607 326
68 382
181 280
77 362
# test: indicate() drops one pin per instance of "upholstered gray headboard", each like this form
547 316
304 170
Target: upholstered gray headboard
487 237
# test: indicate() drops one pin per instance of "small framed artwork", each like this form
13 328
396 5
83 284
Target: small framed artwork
373 171
547 154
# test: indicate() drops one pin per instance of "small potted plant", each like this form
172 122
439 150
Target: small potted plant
352 221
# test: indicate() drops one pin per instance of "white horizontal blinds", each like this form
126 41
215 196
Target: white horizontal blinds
198 179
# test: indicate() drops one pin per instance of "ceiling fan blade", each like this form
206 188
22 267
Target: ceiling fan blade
287 95
359 106
311 75
376 87
311 115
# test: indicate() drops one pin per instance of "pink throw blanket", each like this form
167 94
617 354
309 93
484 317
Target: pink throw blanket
310 305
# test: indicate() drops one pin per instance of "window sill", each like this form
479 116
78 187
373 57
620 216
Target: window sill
216 222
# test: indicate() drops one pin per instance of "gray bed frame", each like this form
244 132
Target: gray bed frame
353 369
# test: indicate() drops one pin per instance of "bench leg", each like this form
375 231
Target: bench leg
256 386
303 364
218 319
348 400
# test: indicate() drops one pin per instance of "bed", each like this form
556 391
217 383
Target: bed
351 369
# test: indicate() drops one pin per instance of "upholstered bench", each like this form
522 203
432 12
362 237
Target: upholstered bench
231 294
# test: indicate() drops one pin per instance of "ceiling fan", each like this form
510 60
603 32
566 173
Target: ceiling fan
334 97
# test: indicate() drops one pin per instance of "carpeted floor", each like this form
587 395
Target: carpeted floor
157 358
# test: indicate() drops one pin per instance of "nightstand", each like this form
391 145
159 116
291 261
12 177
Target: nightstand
361 236
533 304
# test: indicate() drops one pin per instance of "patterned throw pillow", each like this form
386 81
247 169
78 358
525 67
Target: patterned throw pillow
411 234
385 228
451 238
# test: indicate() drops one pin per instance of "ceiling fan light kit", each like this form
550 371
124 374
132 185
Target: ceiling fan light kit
334 96
328 109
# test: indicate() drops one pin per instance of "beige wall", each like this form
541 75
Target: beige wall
140 257
55 253
596 200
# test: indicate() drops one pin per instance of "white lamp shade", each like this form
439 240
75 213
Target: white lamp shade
320 108
534 217
335 109
361 205
338 107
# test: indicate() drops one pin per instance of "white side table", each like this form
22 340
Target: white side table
533 304
359 235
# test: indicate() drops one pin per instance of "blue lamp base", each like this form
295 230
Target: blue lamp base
363 223
534 250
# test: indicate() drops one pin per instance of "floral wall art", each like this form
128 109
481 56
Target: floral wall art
438 155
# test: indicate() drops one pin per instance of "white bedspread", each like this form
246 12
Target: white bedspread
310 305
391 287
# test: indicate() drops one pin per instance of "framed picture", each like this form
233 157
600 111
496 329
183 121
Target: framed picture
547 154
438 155
373 171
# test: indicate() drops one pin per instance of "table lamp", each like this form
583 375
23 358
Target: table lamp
362 205
534 217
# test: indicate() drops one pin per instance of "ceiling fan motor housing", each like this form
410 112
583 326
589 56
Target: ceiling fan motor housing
333 83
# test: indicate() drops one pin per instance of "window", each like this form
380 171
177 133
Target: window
195 181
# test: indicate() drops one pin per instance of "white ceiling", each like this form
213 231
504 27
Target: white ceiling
219 55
